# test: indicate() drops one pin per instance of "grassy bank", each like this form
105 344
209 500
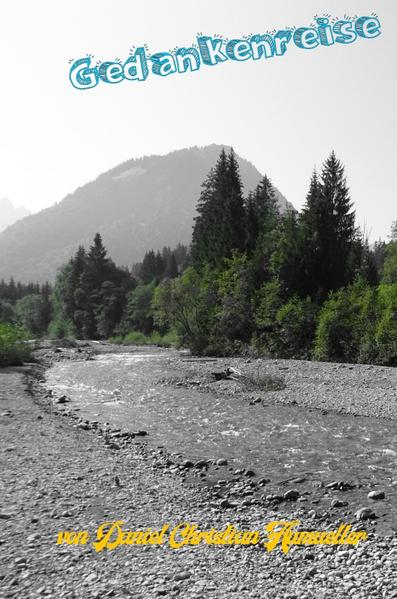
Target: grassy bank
14 345
138 338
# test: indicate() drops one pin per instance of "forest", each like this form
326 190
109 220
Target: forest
255 281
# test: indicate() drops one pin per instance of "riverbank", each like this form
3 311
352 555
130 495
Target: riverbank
356 389
61 472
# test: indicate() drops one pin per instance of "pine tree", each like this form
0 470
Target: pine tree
171 271
328 232
220 226
148 271
263 218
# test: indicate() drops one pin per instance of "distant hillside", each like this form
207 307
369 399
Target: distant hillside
9 214
141 204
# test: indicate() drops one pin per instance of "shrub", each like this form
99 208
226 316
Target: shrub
138 338
61 328
386 326
7 312
295 328
186 305
344 326
14 345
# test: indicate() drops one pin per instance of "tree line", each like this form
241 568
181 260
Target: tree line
285 284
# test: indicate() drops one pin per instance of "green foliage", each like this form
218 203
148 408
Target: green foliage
186 305
389 274
60 328
32 312
14 346
268 300
138 338
138 312
295 327
7 312
90 294
386 326
233 312
344 325
284 330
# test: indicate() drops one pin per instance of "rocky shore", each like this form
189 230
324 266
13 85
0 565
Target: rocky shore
60 472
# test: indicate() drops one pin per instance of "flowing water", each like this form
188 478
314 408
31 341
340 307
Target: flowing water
280 442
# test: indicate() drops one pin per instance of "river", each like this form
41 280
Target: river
279 442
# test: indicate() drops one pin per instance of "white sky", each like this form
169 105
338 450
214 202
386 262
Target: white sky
285 114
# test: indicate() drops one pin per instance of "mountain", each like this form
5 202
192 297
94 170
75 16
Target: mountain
9 214
141 204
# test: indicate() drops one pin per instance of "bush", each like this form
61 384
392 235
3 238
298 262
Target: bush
14 345
345 325
61 328
386 327
295 328
7 312
138 338
186 305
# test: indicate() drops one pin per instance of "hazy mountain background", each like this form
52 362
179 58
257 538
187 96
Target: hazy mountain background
142 204
9 214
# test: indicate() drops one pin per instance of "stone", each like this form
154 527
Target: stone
339 503
365 513
291 495
221 462
376 495
263 481
113 446
182 576
275 498
225 503
63 399
187 464
201 464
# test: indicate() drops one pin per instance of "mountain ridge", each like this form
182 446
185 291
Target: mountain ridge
143 203
9 214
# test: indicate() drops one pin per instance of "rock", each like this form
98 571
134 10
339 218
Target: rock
4 516
263 481
187 464
201 464
91 577
62 399
249 473
83 426
340 485
291 495
221 462
339 503
274 498
365 513
113 445
140 434
376 495
225 503
182 576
